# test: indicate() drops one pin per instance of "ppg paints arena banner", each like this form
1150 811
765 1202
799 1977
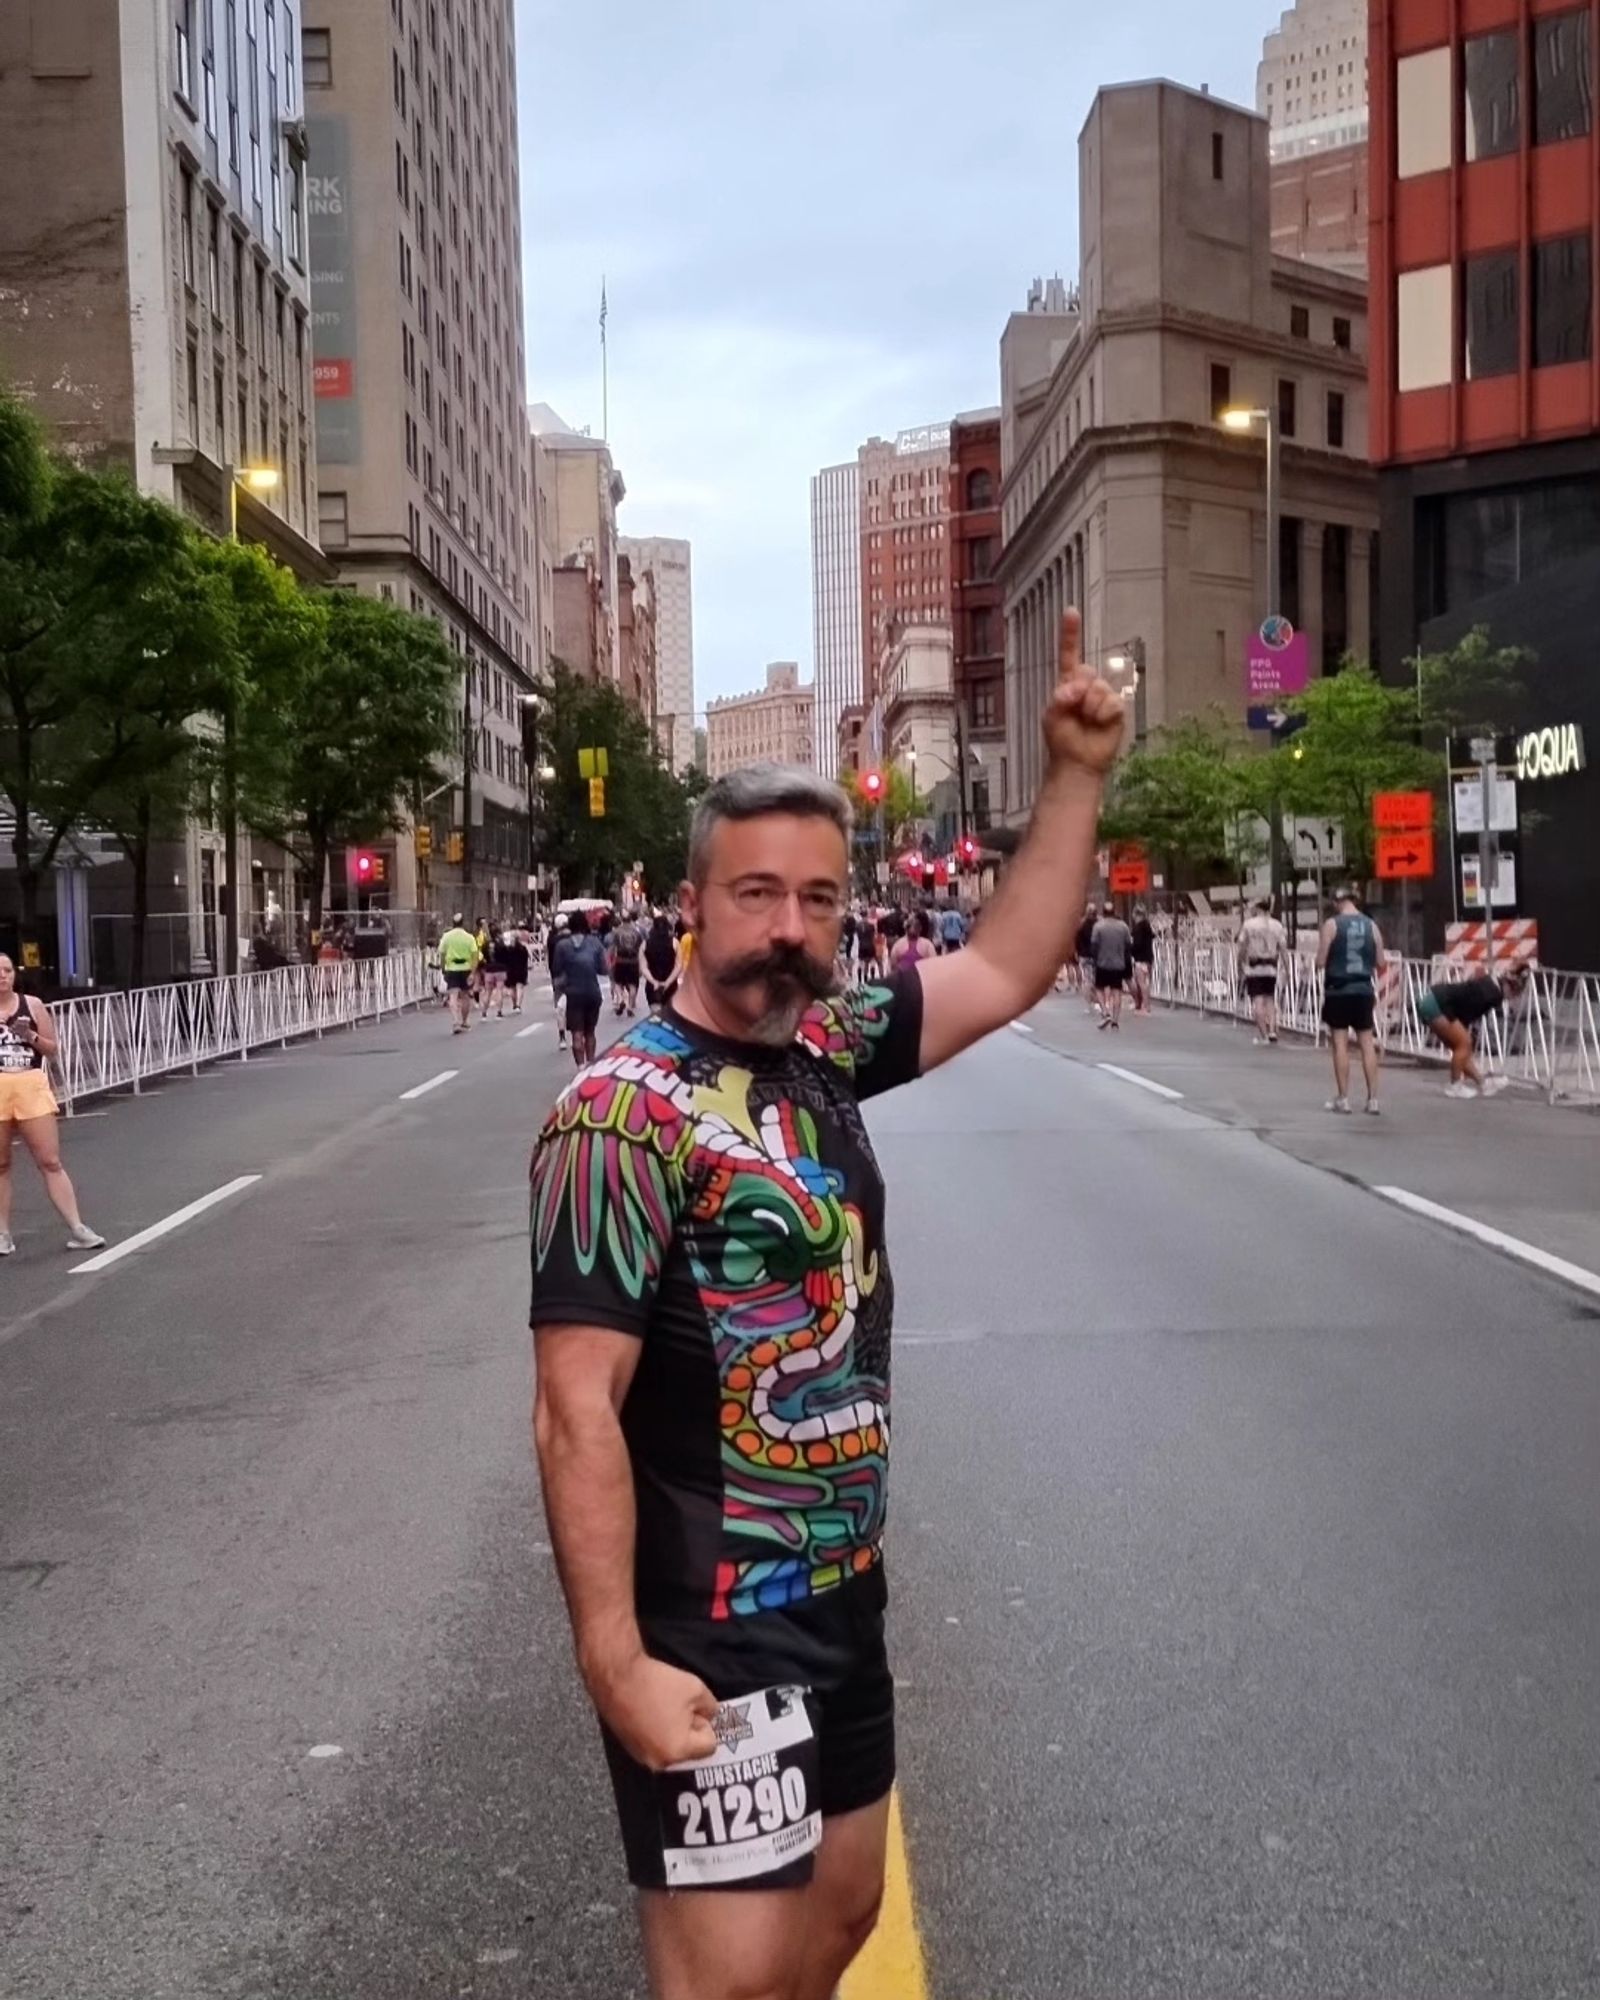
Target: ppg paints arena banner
331 236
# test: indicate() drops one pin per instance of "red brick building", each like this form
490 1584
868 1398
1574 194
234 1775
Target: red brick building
977 616
905 555
1485 384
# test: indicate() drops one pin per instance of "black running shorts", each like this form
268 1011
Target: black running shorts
1349 1010
833 1645
583 1013
1261 985
1109 979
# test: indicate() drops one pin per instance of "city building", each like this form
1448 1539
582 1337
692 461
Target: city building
1486 394
1311 87
584 490
922 733
669 563
904 496
580 627
636 638
772 726
852 746
423 468
977 618
155 310
835 602
542 549
1122 494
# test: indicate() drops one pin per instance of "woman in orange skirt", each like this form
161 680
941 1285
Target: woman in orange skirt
28 1106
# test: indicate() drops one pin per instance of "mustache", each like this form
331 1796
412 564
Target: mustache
781 965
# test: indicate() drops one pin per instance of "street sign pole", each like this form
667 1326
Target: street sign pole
1483 751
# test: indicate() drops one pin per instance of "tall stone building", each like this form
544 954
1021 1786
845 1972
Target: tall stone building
584 491
905 556
1311 87
637 642
669 564
415 236
835 603
772 726
1122 493
155 304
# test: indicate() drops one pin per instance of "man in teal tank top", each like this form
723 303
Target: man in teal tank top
1350 954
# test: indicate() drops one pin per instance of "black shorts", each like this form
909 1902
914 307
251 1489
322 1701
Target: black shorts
658 993
457 982
833 1645
625 973
1108 980
583 1013
1261 985
1354 1011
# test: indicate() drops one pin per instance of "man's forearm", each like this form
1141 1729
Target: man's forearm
1030 922
589 1504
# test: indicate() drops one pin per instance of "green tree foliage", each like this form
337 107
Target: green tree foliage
1359 738
647 809
351 707
1184 793
1475 688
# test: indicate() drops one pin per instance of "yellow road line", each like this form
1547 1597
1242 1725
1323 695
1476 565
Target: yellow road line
891 1967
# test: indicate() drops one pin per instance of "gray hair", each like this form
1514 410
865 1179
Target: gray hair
757 790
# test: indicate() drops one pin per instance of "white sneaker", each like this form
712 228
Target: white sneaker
1493 1085
1258 1041
1461 1090
1339 1104
8 1243
84 1238
1373 1108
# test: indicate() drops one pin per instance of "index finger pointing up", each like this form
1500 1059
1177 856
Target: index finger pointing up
1071 653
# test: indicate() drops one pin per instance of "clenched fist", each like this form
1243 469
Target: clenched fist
658 1713
1083 719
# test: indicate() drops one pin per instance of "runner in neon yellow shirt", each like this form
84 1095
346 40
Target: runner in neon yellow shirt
458 960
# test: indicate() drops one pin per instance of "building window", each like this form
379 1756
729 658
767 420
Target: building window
1341 332
316 58
1422 113
1216 156
981 552
214 258
192 391
1336 419
219 410
1491 96
980 631
1287 411
980 489
1425 328
1491 322
986 704
1562 327
186 226
1221 389
183 24
1562 108
1300 322
297 197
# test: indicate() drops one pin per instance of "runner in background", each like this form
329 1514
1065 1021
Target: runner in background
581 959
558 991
1261 947
1144 958
458 958
627 941
1452 1009
516 967
1084 960
28 1106
1351 955
1111 948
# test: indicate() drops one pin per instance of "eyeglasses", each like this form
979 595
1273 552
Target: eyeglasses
759 898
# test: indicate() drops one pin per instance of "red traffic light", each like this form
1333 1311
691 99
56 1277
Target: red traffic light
872 786
363 867
968 850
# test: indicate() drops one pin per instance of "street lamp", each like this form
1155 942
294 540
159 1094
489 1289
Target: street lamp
254 479
1244 419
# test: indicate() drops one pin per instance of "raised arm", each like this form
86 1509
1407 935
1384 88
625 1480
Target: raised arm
1027 928
662 1716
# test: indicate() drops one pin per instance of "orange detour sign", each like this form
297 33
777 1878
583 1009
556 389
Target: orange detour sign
1402 856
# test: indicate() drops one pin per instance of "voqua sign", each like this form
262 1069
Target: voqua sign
1551 753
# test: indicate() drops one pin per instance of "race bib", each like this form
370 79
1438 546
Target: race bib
750 1808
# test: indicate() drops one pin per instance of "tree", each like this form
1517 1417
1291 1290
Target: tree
98 584
351 707
1474 688
1359 738
646 814
1184 794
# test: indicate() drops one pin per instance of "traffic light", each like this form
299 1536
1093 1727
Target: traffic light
872 787
366 869
424 842
968 850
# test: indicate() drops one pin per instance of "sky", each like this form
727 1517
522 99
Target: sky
812 218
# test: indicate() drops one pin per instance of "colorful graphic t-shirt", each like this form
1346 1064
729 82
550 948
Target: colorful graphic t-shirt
720 1201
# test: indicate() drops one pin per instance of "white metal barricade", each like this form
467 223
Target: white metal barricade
113 1041
1548 1037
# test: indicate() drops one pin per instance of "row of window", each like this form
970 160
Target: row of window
199 17
1333 407
1557 315
1499 72
1300 326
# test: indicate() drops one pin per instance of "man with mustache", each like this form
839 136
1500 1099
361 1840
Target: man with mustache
711 1309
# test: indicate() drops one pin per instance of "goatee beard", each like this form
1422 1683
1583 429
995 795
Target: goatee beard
793 981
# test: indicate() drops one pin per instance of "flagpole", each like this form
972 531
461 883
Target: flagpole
605 372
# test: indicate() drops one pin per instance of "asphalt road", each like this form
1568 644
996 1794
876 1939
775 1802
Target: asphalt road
1244 1557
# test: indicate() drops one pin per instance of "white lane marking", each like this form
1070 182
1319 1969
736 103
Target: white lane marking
1497 1239
1144 1082
1019 1027
326 1750
175 1220
524 1033
432 1083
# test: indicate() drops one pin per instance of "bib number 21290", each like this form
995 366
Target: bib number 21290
751 1808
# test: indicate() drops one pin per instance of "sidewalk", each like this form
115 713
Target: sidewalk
1512 1162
